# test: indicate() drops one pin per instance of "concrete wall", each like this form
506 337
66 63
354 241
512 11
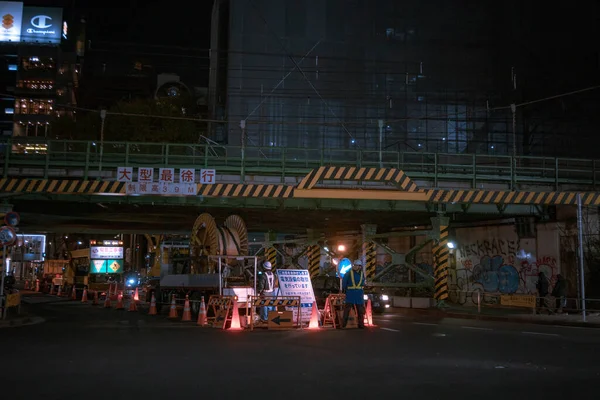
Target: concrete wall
488 259
494 259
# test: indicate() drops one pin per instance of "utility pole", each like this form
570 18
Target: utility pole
581 266
102 118
380 143
243 166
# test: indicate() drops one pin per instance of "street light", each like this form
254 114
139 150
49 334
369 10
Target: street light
341 247
451 245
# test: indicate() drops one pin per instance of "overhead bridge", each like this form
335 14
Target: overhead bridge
289 177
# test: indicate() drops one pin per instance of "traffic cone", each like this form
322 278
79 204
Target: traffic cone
314 317
136 296
84 298
369 314
107 303
120 305
26 285
74 293
202 320
132 305
187 314
152 306
173 310
37 285
235 318
95 303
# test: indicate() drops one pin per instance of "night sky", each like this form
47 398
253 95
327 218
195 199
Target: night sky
176 23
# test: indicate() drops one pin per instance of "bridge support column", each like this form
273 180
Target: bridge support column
313 254
441 254
270 251
369 252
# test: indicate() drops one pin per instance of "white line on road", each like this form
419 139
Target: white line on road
425 323
390 329
570 327
540 333
477 328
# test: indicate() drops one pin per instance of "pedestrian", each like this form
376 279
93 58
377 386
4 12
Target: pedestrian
560 293
542 289
353 285
265 286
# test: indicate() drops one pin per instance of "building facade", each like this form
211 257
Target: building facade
432 76
40 72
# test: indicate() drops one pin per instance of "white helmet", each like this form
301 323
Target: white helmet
358 263
267 265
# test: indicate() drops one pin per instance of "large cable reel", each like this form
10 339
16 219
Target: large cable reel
209 239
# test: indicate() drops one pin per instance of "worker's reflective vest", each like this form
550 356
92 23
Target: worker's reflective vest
360 281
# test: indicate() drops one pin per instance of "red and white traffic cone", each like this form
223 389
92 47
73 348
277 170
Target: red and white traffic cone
202 320
152 306
187 313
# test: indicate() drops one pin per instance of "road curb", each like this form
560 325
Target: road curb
497 318
17 322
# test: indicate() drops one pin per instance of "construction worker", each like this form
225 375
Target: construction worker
353 285
265 286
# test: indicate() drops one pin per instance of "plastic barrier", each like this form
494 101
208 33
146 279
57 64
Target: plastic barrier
221 307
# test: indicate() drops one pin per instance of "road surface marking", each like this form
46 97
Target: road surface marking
390 329
439 334
424 323
541 334
570 327
477 328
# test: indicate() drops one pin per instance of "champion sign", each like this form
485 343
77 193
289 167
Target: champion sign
41 24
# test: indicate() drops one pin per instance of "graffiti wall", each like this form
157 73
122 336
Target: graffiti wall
493 259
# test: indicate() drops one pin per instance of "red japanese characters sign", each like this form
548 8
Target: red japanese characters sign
168 181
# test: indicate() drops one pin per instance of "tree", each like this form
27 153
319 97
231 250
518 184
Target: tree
137 120
141 121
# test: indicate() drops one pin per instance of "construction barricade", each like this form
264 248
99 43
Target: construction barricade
333 314
220 310
277 319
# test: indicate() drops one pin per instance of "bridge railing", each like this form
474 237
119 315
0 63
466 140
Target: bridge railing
42 158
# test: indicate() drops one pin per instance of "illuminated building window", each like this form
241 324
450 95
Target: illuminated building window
12 67
34 106
9 111
38 63
36 84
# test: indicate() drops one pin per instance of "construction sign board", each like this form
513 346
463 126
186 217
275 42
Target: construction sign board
296 282
280 320
106 266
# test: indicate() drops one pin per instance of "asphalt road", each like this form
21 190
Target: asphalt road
85 352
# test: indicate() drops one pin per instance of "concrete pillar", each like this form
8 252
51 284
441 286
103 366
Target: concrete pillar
441 254
270 251
369 252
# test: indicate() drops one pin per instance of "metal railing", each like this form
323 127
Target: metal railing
20 157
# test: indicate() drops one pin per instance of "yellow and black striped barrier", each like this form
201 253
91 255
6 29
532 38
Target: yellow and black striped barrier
370 251
275 302
510 197
314 260
406 190
388 175
244 190
440 258
271 256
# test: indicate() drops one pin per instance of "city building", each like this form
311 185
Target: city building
39 71
413 76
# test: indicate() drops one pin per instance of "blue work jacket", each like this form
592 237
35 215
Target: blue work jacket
354 288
